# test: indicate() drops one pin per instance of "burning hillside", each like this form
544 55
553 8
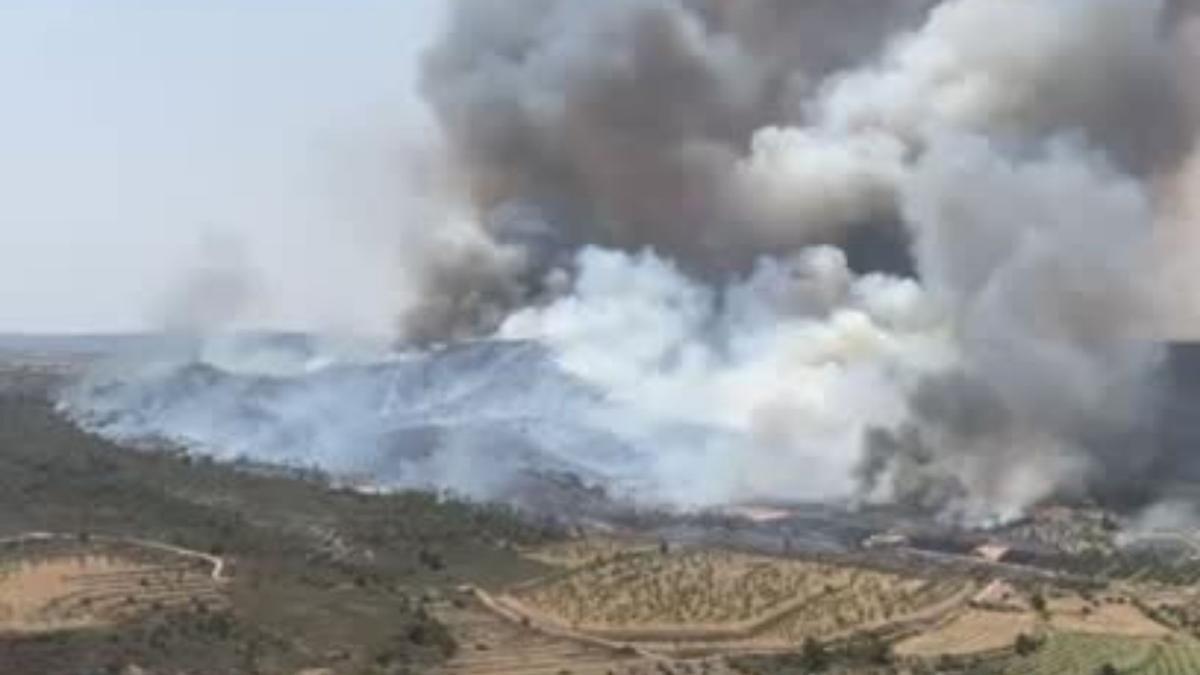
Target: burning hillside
722 252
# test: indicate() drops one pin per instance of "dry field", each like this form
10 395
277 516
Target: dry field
971 632
693 589
491 645
983 630
723 599
868 601
1074 615
51 590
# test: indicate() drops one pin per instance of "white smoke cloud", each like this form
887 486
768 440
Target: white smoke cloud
800 184
1021 70
786 369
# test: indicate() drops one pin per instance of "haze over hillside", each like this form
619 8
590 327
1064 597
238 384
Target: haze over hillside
833 250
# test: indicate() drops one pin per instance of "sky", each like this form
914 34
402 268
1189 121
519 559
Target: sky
145 144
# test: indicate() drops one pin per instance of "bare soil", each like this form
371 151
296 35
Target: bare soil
63 591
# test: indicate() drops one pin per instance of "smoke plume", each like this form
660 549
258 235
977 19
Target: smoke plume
627 122
904 251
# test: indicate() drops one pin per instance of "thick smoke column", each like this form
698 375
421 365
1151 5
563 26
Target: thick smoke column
1043 266
627 122
691 204
1013 141
715 132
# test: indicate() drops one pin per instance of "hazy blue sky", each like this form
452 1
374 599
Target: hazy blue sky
141 138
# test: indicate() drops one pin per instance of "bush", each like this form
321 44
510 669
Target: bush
813 656
1025 645
428 632
1038 601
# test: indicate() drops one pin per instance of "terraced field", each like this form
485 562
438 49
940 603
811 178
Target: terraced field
867 600
56 589
491 645
1070 654
715 600
972 632
984 629
688 589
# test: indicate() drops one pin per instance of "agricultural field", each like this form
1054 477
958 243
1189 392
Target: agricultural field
1068 654
986 628
730 599
972 632
685 589
324 579
1116 616
491 645
867 602
47 591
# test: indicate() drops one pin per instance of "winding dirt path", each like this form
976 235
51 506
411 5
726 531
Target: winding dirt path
217 562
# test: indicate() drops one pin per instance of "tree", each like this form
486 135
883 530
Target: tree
1038 601
1025 645
1107 669
877 651
813 656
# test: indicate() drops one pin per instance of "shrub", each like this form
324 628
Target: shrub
813 656
1025 645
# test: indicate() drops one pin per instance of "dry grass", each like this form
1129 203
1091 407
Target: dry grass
491 645
982 630
974 631
869 601
1074 615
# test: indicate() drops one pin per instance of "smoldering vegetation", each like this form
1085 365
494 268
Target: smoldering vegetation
905 251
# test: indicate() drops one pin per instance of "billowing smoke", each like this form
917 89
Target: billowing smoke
714 131
626 123
838 249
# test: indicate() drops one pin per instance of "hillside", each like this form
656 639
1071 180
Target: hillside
317 574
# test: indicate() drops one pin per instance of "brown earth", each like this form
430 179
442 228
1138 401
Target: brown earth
490 644
52 592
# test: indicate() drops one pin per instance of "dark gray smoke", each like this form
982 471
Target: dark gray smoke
1003 151
716 131
626 120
